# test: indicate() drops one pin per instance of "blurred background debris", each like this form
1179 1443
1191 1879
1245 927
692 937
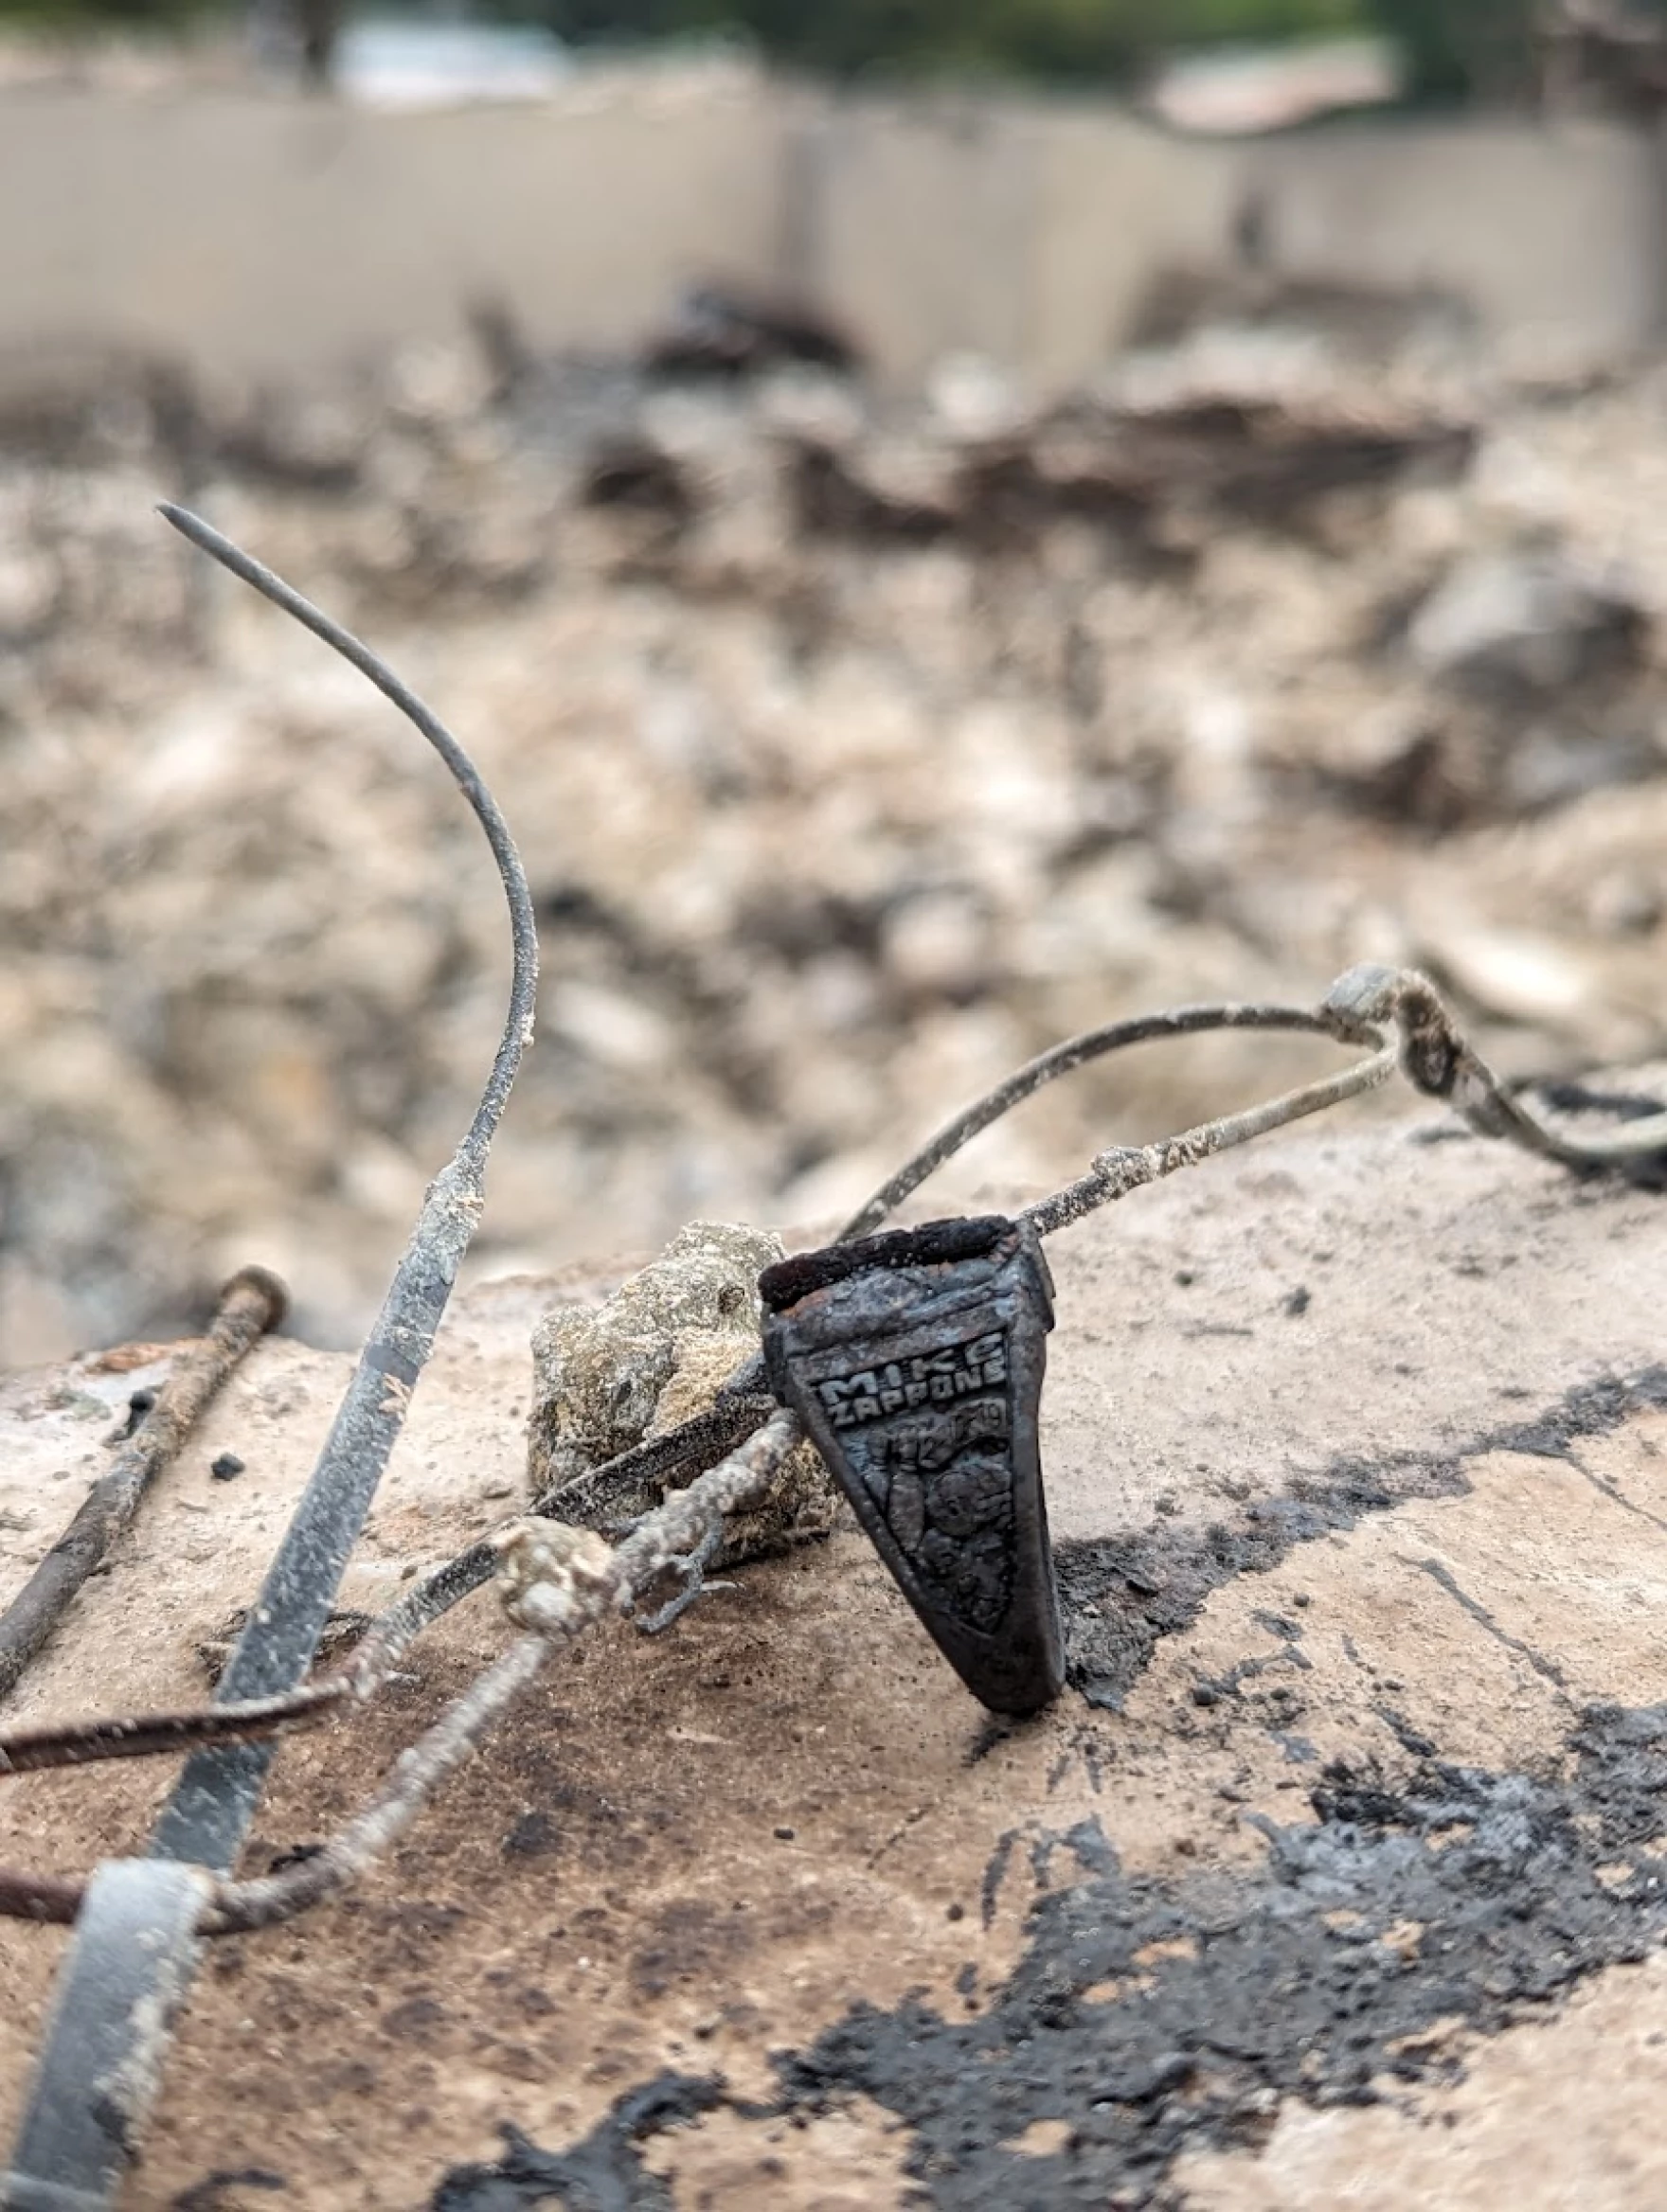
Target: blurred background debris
925 568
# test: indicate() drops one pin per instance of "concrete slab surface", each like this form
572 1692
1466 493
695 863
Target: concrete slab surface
1339 1876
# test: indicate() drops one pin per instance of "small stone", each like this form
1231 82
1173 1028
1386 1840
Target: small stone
650 1356
1531 622
227 1465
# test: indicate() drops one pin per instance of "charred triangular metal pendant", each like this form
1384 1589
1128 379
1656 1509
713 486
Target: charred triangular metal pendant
915 1361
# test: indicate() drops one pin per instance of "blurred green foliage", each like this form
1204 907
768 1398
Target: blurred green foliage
1455 48
1093 38
77 18
1476 49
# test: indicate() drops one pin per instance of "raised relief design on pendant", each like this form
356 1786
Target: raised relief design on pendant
932 1450
915 1361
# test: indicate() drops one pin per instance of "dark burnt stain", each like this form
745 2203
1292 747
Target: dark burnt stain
602 2173
1444 1579
1448 1892
995 1874
1121 1595
993 1730
690 1940
1154 2017
534 1835
1420 1897
221 2191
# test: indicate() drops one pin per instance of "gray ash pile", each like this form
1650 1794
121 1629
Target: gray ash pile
856 752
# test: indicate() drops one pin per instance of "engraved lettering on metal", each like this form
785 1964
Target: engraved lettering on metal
915 1362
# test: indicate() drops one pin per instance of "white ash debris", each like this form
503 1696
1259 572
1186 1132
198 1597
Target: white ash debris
855 755
653 1354
547 1570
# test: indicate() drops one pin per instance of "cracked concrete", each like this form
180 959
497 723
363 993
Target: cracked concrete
1353 1846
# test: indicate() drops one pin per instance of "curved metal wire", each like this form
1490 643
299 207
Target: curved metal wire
149 1947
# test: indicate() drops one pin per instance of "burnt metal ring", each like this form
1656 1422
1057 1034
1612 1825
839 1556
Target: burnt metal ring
914 1359
914 1362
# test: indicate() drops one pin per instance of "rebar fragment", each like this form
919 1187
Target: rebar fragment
252 1302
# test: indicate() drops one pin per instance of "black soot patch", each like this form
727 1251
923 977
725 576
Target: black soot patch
1456 1894
602 2173
1152 2017
1119 1594
1649 1171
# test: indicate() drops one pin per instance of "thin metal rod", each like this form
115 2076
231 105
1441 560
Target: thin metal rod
74 1744
215 1797
264 1901
213 1801
523 919
565 1581
1062 1059
1436 1060
1352 1012
46 1897
691 1447
1114 1173
252 1302
83 1744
